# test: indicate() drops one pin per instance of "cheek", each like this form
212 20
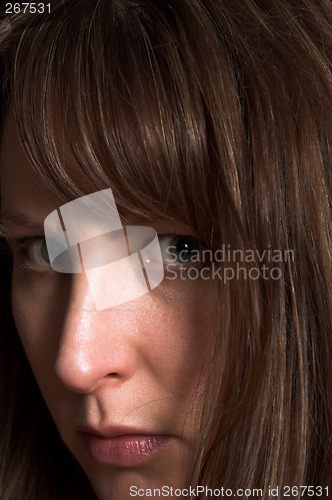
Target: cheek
178 324
36 315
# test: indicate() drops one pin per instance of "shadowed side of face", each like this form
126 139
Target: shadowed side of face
120 382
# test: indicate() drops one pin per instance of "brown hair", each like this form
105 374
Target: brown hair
218 114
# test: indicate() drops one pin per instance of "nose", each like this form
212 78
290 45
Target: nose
94 345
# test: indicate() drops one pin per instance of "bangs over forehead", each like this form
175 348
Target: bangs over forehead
126 92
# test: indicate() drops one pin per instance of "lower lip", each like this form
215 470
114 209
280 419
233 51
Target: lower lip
124 451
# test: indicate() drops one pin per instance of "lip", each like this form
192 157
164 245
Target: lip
123 447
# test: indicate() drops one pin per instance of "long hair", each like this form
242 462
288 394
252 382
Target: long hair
215 113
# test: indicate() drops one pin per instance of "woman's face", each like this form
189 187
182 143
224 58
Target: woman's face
119 382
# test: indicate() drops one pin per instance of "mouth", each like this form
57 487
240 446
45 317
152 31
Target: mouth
123 447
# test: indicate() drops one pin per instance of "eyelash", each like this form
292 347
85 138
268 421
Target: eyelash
24 268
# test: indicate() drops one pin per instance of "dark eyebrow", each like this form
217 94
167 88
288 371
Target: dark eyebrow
19 219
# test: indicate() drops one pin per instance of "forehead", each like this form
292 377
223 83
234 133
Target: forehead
24 192
21 188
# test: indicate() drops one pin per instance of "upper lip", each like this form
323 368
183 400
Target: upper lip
115 431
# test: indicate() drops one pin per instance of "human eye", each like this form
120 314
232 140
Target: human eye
35 254
180 250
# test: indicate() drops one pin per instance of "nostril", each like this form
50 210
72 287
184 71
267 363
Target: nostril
88 354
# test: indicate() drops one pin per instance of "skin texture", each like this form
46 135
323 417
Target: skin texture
137 365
